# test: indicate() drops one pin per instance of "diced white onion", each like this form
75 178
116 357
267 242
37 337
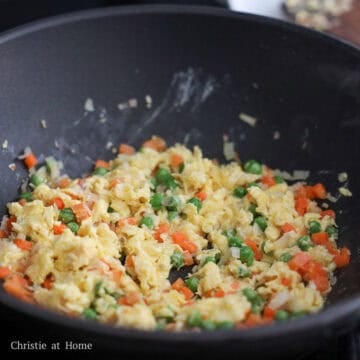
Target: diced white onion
279 300
235 252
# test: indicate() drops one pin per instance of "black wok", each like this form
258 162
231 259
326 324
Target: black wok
201 67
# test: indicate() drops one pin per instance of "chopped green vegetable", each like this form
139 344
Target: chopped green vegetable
208 325
252 208
332 231
97 288
147 221
110 210
229 233
261 222
171 203
209 259
181 167
164 177
100 171
26 195
172 215
304 242
225 325
253 167
281 315
194 319
235 241
192 283
314 227
247 255
278 179
73 226
36 180
66 215
153 184
244 272
177 259
196 202
256 301
240 192
156 201
285 257
89 314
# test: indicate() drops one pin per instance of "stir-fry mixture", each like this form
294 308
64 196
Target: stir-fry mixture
101 247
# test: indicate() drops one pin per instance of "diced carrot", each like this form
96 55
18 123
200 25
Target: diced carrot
179 283
58 202
130 299
309 192
155 143
253 320
219 293
182 240
301 204
114 182
299 261
15 285
321 282
58 229
319 191
286 281
126 149
4 272
328 212
161 229
129 262
188 259
269 312
252 244
64 182
300 192
268 180
9 223
343 258
48 282
81 211
176 160
320 238
3 234
201 195
287 228
101 163
30 160
128 221
316 273
23 244
188 294
236 285
117 275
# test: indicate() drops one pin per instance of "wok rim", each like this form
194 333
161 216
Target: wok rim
343 310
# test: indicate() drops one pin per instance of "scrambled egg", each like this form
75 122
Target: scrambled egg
103 247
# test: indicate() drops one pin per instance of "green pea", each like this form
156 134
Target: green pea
147 221
225 325
172 215
285 257
252 208
66 215
208 325
177 259
250 294
110 210
156 201
196 202
243 272
171 203
304 242
194 319
192 283
257 303
89 314
26 195
314 227
36 180
235 241
239 192
163 176
253 167
281 315
332 231
261 222
247 255
100 171
73 226
278 179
